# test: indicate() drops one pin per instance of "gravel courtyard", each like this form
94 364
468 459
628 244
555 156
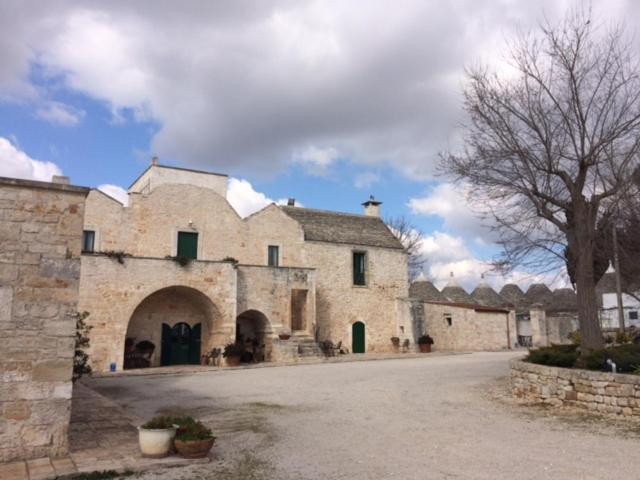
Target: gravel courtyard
440 417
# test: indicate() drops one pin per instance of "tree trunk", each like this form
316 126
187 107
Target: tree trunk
583 239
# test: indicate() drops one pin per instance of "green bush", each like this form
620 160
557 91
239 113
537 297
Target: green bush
233 350
554 356
622 337
191 429
626 357
160 423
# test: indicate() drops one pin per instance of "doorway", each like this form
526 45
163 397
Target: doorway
358 337
181 344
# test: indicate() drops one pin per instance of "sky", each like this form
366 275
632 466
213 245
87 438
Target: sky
326 102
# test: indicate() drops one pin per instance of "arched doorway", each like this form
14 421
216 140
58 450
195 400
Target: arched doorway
358 337
252 333
177 321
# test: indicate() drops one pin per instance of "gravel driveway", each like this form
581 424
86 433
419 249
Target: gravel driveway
432 417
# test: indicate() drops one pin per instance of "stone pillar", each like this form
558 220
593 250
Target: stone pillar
539 334
40 241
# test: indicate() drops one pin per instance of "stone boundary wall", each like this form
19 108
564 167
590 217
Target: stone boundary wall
603 392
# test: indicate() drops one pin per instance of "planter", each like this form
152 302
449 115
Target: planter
284 336
425 347
155 443
232 361
194 448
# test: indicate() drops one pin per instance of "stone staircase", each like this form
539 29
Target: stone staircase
307 346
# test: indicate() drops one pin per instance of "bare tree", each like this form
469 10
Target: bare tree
411 238
549 148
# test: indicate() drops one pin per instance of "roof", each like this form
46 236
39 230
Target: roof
175 168
512 294
563 300
64 187
472 306
335 227
538 293
487 296
426 291
457 294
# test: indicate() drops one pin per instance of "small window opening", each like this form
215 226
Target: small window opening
274 256
449 319
88 241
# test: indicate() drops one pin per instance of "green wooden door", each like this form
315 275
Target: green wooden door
188 245
165 352
180 343
357 338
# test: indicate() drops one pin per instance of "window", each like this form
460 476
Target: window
188 245
273 254
633 315
359 268
88 240
449 319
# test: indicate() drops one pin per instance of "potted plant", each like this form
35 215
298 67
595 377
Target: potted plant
232 354
193 438
285 334
156 437
425 342
395 341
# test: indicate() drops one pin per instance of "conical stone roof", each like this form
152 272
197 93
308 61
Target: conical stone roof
483 294
563 300
512 294
538 293
426 291
455 293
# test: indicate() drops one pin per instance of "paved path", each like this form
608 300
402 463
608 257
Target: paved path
430 417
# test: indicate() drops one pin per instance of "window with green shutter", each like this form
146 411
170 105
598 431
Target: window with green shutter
188 245
359 264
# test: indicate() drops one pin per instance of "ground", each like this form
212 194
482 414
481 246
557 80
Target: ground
440 417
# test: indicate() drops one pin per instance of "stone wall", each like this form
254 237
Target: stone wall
40 241
469 329
595 391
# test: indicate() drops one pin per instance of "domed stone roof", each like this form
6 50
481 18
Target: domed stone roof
538 293
512 294
484 295
455 293
426 291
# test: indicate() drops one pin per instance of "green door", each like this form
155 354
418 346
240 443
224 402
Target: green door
165 352
180 342
357 337
194 344
188 245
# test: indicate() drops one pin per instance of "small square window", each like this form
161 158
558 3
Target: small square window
88 241
274 256
633 315
449 319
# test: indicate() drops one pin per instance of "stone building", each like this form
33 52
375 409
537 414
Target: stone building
608 303
488 320
177 273
40 235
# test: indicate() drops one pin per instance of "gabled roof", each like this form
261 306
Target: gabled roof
335 227
426 291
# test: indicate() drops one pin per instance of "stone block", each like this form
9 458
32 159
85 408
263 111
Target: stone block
53 371
36 435
16 410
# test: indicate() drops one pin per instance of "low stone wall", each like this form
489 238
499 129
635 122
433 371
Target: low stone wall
597 391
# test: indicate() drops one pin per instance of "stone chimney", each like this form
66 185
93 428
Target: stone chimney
61 179
372 207
154 160
291 202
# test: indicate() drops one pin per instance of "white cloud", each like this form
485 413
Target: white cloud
243 88
366 179
317 161
16 163
60 114
244 199
115 191
450 202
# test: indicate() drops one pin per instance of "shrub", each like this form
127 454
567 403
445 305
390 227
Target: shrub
233 350
395 341
575 337
160 423
81 359
425 340
622 337
626 357
554 356
191 429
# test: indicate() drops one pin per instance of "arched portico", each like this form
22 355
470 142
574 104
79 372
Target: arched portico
174 324
253 332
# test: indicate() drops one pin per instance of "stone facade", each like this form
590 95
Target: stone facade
40 239
232 289
602 392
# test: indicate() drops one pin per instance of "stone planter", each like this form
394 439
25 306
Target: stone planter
425 347
155 443
194 448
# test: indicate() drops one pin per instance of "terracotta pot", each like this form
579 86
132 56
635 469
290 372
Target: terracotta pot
155 443
232 361
194 448
425 347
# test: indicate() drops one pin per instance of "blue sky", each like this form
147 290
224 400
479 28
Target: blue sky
323 101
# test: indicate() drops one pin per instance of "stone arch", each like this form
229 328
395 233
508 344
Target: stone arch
253 331
162 310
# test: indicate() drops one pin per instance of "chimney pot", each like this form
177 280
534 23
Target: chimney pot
372 207
154 160
291 202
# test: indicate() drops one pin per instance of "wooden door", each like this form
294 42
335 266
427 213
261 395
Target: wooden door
358 338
